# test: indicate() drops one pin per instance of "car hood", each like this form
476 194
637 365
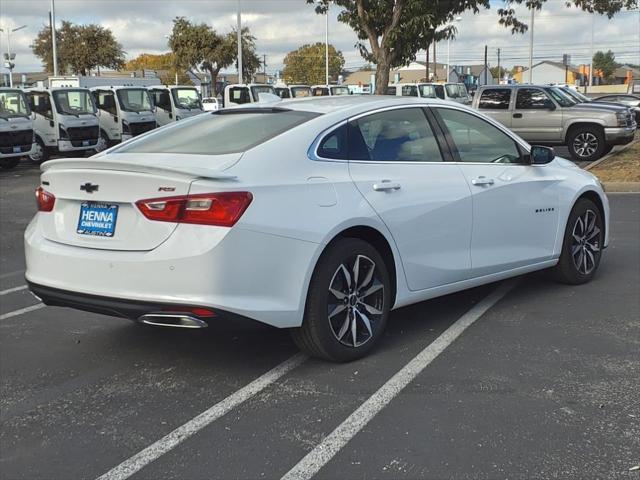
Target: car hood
612 107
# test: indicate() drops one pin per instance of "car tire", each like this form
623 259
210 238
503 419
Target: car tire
347 304
582 244
103 142
9 163
586 144
607 149
41 154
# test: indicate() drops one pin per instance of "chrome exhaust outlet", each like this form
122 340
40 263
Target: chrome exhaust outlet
176 320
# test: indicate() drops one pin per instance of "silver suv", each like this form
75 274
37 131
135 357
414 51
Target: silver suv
546 115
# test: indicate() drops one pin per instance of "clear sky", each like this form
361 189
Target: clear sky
283 25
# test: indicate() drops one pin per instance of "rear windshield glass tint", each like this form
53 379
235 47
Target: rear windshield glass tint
219 133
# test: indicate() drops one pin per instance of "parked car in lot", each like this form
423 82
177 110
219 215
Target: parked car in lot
455 92
16 127
174 103
293 91
123 112
631 101
329 90
210 104
422 90
65 122
544 115
317 215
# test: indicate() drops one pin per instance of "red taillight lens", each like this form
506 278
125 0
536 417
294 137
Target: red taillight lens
45 200
222 209
197 311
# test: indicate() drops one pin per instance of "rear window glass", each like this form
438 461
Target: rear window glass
495 99
220 132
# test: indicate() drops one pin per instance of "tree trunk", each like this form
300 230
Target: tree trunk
382 77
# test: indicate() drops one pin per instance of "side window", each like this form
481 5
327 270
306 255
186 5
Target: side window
439 91
41 104
476 140
239 95
161 99
106 101
495 99
402 135
532 99
334 145
409 91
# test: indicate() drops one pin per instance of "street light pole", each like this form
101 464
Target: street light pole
53 39
326 47
457 19
531 47
10 58
591 72
239 27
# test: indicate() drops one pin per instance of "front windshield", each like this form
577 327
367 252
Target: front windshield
13 104
576 95
186 98
299 92
562 98
427 91
452 90
73 102
339 91
257 90
134 99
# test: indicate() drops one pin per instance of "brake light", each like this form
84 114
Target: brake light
222 209
45 200
197 311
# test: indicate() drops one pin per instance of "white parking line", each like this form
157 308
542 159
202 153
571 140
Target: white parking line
336 440
11 290
180 434
15 313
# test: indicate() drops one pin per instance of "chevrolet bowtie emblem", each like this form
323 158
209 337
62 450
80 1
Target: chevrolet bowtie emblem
89 187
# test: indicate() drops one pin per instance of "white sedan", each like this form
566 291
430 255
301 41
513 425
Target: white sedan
319 215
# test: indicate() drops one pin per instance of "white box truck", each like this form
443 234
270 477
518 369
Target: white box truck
65 122
16 127
123 112
175 102
84 81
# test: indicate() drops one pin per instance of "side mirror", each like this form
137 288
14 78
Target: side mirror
540 155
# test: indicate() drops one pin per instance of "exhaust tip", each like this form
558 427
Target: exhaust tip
175 320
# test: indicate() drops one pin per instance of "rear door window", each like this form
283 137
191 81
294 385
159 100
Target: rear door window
495 99
532 99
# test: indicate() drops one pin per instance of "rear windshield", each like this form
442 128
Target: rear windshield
218 133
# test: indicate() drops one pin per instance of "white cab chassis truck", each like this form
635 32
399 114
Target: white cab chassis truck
292 91
329 90
241 93
123 112
175 102
16 127
65 122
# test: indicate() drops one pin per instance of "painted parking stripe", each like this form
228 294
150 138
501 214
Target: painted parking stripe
11 290
336 440
180 434
15 313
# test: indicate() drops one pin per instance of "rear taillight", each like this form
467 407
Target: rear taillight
45 200
222 209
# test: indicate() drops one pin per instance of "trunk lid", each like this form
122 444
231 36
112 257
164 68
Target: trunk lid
110 218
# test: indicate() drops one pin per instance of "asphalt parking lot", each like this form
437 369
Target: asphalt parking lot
544 384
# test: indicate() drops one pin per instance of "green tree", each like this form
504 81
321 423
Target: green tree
165 63
395 30
606 63
81 48
251 63
307 64
498 74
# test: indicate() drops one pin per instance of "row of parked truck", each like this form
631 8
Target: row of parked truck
76 114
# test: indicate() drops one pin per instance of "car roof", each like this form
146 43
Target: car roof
345 103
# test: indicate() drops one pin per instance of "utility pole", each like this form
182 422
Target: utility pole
435 64
53 39
591 72
486 66
531 47
326 46
427 62
499 73
264 67
239 27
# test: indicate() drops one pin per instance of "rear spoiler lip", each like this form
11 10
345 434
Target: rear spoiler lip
97 164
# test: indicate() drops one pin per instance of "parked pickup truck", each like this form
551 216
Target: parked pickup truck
544 115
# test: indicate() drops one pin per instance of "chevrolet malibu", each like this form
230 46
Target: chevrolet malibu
317 215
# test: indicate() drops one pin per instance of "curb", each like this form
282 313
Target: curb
600 160
622 187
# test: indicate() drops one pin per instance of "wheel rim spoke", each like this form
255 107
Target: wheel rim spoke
344 328
337 310
338 294
371 309
366 321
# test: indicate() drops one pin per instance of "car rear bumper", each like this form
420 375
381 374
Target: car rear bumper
619 135
259 276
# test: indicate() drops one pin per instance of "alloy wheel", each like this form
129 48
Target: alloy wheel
585 244
355 301
585 144
101 145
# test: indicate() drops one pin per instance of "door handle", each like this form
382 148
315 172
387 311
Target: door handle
517 115
482 181
386 185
